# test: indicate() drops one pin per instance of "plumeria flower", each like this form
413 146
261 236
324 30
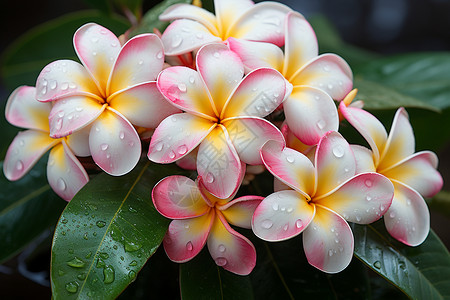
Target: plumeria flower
194 26
113 89
413 174
65 173
223 116
201 218
322 197
317 79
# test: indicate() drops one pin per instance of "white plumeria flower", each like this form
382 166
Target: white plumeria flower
194 26
223 116
413 174
322 197
65 173
317 79
112 90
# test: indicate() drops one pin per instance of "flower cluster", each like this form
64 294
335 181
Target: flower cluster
208 89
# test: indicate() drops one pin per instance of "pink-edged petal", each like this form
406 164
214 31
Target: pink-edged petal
400 143
140 60
228 11
335 163
239 212
218 164
328 241
278 185
73 113
363 199
408 218
289 166
78 142
230 249
63 78
185 89
23 110
143 105
282 215
178 197
419 172
301 43
184 36
114 143
191 12
293 142
310 113
327 72
24 151
256 55
65 173
186 238
221 70
97 48
249 134
264 22
368 126
364 159
176 136
189 161
259 94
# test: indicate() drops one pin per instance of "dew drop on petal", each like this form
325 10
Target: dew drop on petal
290 209
368 198
338 151
299 223
392 214
182 149
172 154
121 135
64 86
61 184
19 165
159 146
191 79
321 124
72 85
330 252
326 68
141 62
104 147
358 218
408 202
176 41
290 159
266 224
330 86
275 206
78 108
53 84
222 248
189 246
221 261
44 90
209 177
382 207
216 54
159 55
368 183
182 87
286 227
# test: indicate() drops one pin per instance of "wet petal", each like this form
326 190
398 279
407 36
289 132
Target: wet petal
177 136
239 212
281 216
25 150
78 142
230 249
23 110
408 219
143 105
364 159
114 143
189 161
310 113
65 173
328 241
228 11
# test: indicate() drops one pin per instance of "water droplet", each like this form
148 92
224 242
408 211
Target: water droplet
182 87
392 214
71 250
299 223
182 149
286 227
189 246
85 236
94 39
368 198
72 287
283 209
75 263
272 21
222 248
130 246
103 255
44 90
44 82
159 55
108 273
368 183
333 229
209 177
176 41
172 154
290 159
413 228
358 218
113 44
61 184
131 209
321 124
216 54
88 255
61 273
336 240
159 146
53 84
81 276
58 124
330 86
290 209
377 264
326 68
254 89
192 79
72 85
64 221
104 147
100 224
408 202
330 252
78 108
382 207
338 151
94 53
266 224
19 165
275 206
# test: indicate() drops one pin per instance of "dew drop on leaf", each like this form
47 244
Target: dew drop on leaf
108 273
72 287
75 263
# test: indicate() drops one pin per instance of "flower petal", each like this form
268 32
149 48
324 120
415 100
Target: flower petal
364 159
239 212
143 105
335 163
178 197
23 110
186 238
301 43
289 166
281 216
327 72
249 134
328 241
259 94
218 164
73 113
25 150
230 249
419 172
228 11
363 199
114 143
408 219
65 173
310 113
176 136
63 78
140 60
78 142
189 161
97 48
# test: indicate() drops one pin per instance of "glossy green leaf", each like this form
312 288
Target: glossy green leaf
421 272
201 278
27 208
24 59
107 233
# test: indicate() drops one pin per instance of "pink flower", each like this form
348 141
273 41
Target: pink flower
322 197
201 218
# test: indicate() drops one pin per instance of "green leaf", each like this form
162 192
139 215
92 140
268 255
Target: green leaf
24 59
201 278
421 272
107 233
441 202
27 208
